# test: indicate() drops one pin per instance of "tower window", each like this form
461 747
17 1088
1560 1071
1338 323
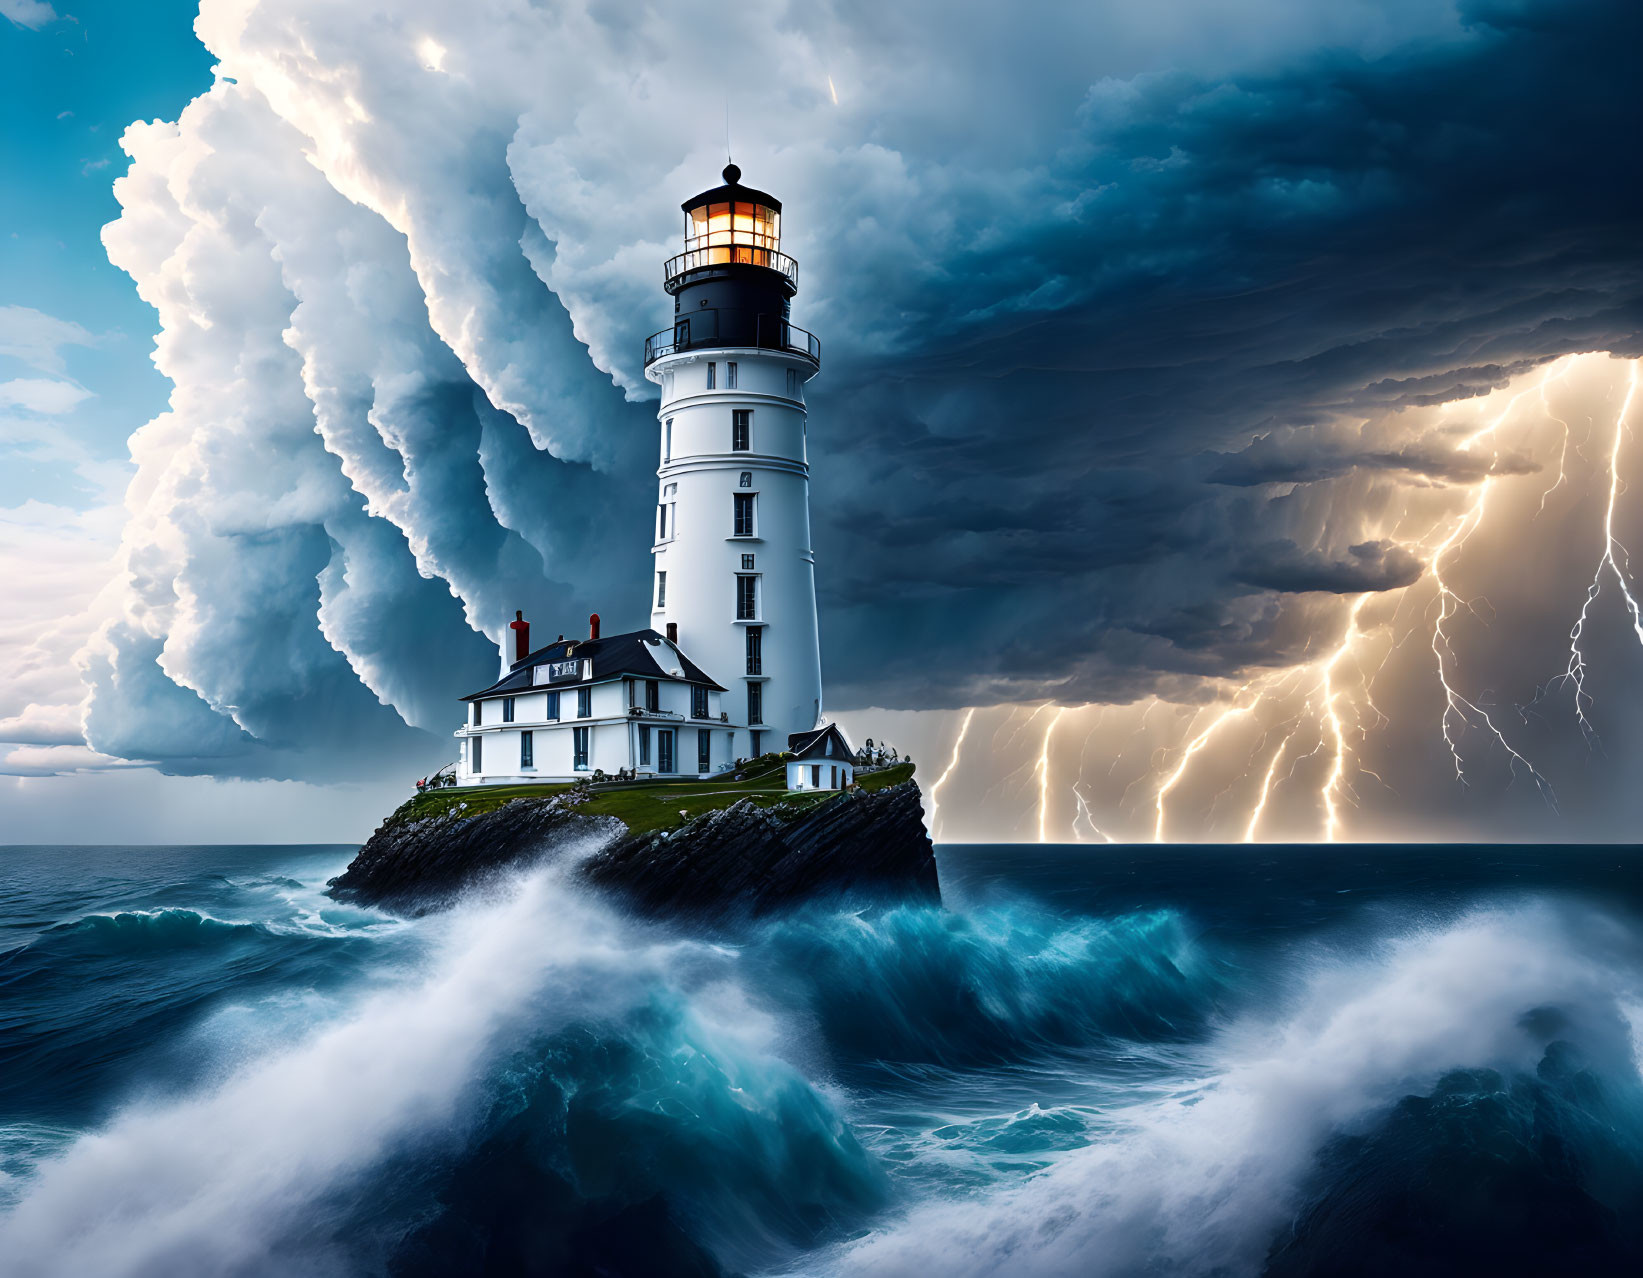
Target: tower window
746 480
584 704
743 523
712 373
698 701
747 563
792 383
755 650
479 713
507 709
476 752
741 429
755 703
661 590
730 375
747 598
527 749
667 440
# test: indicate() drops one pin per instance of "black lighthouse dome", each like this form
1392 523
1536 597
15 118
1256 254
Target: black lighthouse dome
732 286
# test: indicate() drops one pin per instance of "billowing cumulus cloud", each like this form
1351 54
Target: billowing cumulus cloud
1138 327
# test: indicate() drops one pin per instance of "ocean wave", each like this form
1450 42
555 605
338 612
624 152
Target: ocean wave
1205 1181
542 1046
918 983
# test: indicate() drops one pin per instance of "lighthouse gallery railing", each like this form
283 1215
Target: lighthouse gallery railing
715 326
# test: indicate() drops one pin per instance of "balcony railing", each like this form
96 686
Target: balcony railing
728 255
714 326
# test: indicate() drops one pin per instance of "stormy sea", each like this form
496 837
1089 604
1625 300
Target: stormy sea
1089 1060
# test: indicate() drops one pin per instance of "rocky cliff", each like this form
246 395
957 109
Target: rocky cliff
737 861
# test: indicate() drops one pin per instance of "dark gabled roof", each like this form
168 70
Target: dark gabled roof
802 745
613 656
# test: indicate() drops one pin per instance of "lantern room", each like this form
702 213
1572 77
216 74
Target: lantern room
732 225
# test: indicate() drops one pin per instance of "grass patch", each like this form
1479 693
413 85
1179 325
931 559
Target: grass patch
479 798
648 806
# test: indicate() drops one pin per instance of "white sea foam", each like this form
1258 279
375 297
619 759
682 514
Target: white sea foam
208 1184
1202 1182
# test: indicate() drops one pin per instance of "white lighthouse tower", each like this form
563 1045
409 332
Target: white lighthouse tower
735 578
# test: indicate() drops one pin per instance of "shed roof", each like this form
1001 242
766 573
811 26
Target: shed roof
813 744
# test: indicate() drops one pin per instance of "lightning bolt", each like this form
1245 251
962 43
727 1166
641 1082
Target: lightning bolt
1575 672
1044 769
952 763
1193 747
1455 705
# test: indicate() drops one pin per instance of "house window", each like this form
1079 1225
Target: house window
527 749
584 703
667 440
553 706
747 563
476 748
741 429
755 703
479 713
507 709
757 738
755 649
792 383
704 749
661 522
664 750
644 744
744 513
815 776
653 695
579 748
747 598
730 375
698 701
712 371
661 590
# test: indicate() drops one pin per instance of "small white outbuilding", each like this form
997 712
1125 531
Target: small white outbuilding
822 759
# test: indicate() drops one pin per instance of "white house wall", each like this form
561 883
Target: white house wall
613 740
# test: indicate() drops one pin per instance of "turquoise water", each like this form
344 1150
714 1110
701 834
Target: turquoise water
1091 1061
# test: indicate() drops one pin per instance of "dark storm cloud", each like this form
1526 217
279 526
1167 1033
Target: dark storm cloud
1233 258
1369 566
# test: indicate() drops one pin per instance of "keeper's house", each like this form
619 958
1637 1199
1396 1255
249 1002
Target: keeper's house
822 759
631 701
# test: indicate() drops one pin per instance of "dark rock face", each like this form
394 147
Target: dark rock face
417 866
738 862
746 861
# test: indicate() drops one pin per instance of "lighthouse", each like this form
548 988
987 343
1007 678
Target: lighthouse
730 666
734 575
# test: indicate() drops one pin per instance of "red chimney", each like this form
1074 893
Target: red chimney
673 632
521 637
593 625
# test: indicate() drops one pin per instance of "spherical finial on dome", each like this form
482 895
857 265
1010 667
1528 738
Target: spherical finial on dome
732 174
